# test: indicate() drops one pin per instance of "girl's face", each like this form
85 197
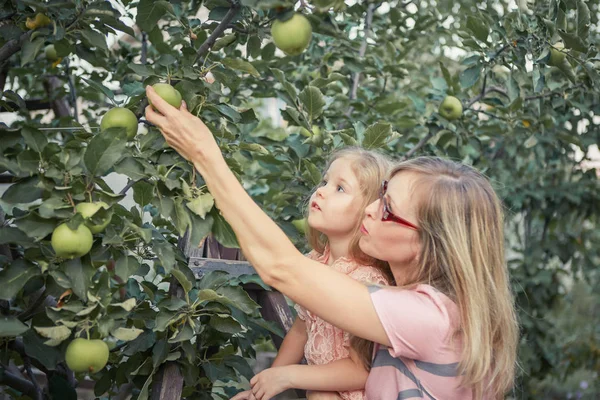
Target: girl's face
335 207
392 240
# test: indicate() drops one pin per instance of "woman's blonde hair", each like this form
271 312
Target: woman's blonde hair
370 169
462 236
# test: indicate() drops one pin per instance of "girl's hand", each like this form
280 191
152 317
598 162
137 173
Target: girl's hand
183 131
245 395
270 382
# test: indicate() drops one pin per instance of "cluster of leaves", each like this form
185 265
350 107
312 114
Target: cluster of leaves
373 75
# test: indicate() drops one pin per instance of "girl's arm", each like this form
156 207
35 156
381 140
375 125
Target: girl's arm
292 347
339 376
333 296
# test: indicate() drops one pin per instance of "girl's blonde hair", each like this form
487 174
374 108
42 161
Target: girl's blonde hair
462 236
370 169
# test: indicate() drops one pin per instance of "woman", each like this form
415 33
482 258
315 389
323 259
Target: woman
448 331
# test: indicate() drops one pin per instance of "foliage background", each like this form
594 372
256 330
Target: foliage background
374 75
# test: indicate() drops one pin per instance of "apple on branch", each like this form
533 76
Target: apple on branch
120 117
451 108
292 36
168 93
85 355
69 243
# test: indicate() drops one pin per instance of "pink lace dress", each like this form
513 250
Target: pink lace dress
326 343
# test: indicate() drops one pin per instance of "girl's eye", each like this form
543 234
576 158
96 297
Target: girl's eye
323 183
340 189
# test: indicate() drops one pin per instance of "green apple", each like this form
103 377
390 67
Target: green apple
87 210
292 36
69 243
85 355
168 94
451 108
557 55
40 21
120 117
300 225
50 53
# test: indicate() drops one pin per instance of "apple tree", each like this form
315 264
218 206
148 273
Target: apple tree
511 89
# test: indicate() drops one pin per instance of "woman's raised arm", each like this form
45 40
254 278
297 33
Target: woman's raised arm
333 296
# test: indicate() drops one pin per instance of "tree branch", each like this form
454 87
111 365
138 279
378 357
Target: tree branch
39 394
12 46
73 92
361 53
433 129
17 383
210 41
130 184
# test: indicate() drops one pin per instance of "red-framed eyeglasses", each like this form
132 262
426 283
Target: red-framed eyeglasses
387 215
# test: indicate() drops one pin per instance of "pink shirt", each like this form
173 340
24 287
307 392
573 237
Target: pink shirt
327 343
423 360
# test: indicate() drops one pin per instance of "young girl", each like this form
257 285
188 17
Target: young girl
335 211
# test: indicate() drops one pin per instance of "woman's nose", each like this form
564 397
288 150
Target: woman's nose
372 209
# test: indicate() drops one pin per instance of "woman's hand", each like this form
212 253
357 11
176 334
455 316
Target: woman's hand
270 382
245 395
183 131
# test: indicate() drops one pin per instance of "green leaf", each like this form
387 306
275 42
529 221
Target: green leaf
478 26
583 20
572 41
35 226
127 305
105 149
131 167
201 205
24 191
126 266
253 46
99 86
240 65
184 334
15 276
183 280
165 254
181 217
238 298
15 236
149 12
56 334
95 39
240 364
126 334
376 135
313 102
470 76
80 275
36 349
223 231
11 326
30 50
225 323
35 139
143 193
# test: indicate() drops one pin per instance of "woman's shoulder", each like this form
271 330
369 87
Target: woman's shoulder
423 302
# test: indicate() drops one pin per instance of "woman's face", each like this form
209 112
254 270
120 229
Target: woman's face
335 207
392 241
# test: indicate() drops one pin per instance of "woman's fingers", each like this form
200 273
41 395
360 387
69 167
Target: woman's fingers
153 117
162 106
